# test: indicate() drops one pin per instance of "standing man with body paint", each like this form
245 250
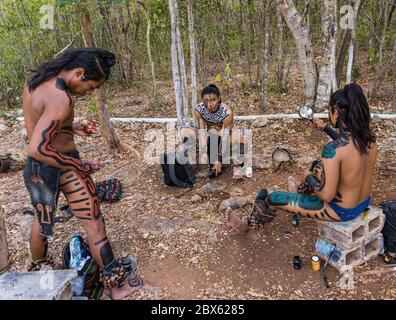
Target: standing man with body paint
54 163
340 182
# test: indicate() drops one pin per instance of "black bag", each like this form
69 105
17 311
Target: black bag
176 174
389 230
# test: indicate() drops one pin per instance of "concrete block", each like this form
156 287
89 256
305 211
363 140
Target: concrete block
374 222
373 247
347 234
37 285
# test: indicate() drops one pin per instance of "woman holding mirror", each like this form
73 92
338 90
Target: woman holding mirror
340 182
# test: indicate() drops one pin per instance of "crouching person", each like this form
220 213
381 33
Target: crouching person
218 144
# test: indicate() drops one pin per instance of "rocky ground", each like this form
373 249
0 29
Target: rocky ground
184 248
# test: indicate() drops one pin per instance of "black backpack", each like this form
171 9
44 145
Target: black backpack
175 173
389 230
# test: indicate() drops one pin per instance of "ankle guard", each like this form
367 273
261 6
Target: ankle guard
115 275
260 213
109 190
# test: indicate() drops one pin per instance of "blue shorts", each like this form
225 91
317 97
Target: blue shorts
350 213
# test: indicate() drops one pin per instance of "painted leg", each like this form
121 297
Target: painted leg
304 205
81 196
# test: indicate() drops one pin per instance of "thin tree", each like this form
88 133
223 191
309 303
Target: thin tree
326 81
302 41
175 65
352 41
193 68
103 112
147 14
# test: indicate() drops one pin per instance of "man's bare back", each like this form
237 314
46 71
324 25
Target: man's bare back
356 174
35 104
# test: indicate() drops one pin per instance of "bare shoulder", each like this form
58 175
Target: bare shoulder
56 102
337 147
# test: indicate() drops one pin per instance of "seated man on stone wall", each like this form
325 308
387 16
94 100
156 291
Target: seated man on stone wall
338 186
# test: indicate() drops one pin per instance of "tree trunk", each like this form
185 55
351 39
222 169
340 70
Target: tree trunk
304 48
281 48
326 84
4 254
342 52
103 113
182 66
382 69
265 57
148 45
175 65
352 42
192 58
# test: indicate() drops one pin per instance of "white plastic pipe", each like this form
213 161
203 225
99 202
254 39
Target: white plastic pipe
240 118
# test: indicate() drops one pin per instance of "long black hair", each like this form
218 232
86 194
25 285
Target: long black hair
210 89
96 63
354 115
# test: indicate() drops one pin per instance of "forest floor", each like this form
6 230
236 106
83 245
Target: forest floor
185 249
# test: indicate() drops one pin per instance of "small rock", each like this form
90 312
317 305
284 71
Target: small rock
233 203
145 235
259 123
236 192
291 131
15 206
3 127
209 189
19 112
260 163
135 126
275 126
196 198
376 119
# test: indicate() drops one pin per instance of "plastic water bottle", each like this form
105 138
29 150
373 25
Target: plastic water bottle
323 249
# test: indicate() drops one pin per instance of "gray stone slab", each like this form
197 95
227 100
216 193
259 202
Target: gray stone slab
38 285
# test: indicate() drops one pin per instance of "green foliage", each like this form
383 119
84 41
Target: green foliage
91 106
226 31
355 71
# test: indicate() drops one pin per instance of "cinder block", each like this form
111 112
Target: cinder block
347 234
375 222
37 285
373 247
341 256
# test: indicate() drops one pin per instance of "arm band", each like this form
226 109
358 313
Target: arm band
330 131
312 181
